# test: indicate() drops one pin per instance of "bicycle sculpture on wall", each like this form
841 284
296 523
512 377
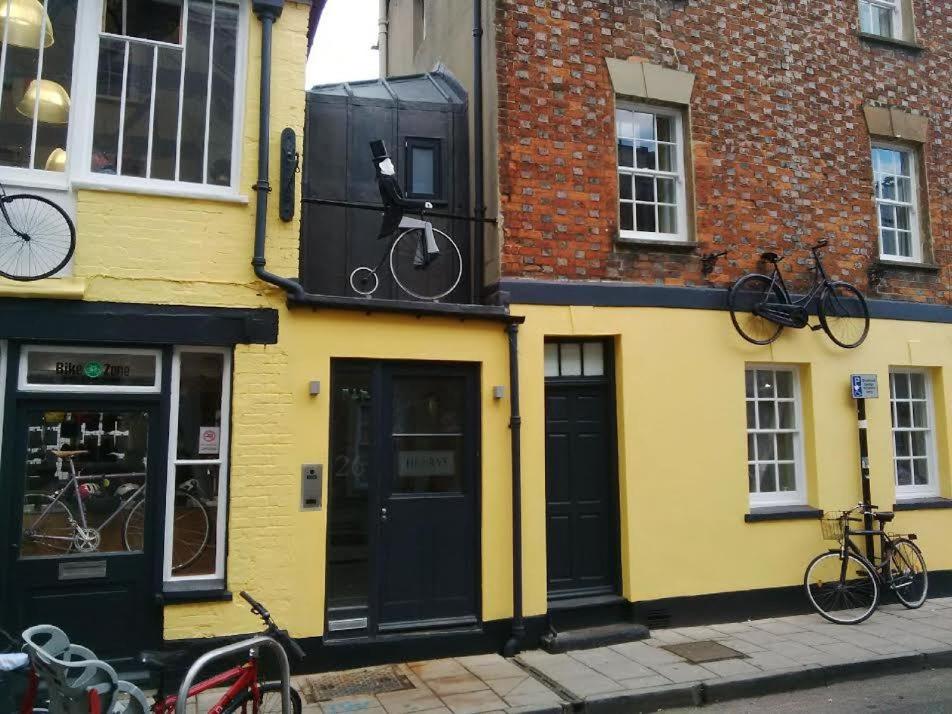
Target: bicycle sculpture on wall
37 237
761 306
424 261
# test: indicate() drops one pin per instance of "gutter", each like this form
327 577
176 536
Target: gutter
268 12
383 38
478 159
514 645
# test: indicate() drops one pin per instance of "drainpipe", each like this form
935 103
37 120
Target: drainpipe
514 644
479 167
383 38
267 11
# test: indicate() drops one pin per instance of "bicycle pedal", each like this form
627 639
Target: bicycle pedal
816 328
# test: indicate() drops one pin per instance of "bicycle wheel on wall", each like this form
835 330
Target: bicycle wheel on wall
844 314
908 576
48 527
746 294
421 276
269 703
37 237
844 596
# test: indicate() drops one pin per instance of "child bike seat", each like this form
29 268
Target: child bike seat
884 516
154 659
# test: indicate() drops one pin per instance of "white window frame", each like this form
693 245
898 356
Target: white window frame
222 462
679 178
913 204
78 174
797 497
26 386
891 5
930 489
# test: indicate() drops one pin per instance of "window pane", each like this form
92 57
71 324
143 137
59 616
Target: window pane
221 116
665 129
645 214
921 472
765 384
626 153
765 447
903 415
749 383
195 98
645 155
904 187
165 127
785 447
149 19
768 478
551 359
195 514
109 79
752 478
644 125
624 124
788 477
889 242
903 472
644 188
900 385
624 186
917 385
428 464
114 446
422 160
94 369
784 382
135 139
667 158
918 439
901 439
902 218
594 359
887 187
751 415
766 415
626 215
200 403
667 191
571 359
16 121
904 243
887 216
751 447
920 417
428 406
667 219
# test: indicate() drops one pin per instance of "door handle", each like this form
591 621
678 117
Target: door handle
383 514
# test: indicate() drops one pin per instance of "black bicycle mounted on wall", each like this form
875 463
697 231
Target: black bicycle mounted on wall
37 237
761 306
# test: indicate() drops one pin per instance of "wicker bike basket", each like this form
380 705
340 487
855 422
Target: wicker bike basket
833 526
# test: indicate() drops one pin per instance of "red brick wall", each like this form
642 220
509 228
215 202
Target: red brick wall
781 150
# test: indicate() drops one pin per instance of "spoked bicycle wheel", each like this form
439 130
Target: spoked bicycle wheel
845 593
37 238
48 527
190 529
269 702
746 294
844 314
908 576
419 275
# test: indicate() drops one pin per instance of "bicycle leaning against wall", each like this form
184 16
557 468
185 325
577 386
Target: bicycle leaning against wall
37 237
845 587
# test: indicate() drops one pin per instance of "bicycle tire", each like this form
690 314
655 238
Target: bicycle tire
134 530
418 282
910 603
265 705
829 595
741 300
830 303
56 542
50 229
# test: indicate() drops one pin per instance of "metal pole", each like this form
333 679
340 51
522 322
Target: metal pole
514 644
864 471
261 641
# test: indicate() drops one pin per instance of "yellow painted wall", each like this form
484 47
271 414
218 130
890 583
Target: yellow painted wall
683 451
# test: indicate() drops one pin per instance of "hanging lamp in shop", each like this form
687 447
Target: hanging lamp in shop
22 23
53 102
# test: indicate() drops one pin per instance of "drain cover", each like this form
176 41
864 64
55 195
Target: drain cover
703 651
372 680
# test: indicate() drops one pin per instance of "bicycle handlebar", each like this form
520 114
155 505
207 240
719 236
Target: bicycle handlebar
273 630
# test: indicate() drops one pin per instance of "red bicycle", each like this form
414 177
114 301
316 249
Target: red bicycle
245 692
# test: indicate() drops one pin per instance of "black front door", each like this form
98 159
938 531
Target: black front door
81 482
402 538
581 486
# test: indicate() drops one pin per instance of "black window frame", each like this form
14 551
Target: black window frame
436 145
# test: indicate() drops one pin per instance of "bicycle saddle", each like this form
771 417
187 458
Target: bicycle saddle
884 516
68 454
162 660
771 257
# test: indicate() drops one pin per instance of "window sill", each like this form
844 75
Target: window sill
890 41
922 504
119 184
56 288
886 264
686 246
212 594
782 513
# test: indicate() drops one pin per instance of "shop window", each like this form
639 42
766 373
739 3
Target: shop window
896 192
197 485
85 369
424 168
651 177
910 402
774 437
575 359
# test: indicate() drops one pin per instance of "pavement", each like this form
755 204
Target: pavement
772 655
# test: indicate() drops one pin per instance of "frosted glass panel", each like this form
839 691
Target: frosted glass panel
593 353
551 359
571 359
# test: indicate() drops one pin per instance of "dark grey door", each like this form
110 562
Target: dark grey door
581 488
82 549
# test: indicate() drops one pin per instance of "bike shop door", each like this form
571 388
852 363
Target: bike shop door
582 530
82 548
403 550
